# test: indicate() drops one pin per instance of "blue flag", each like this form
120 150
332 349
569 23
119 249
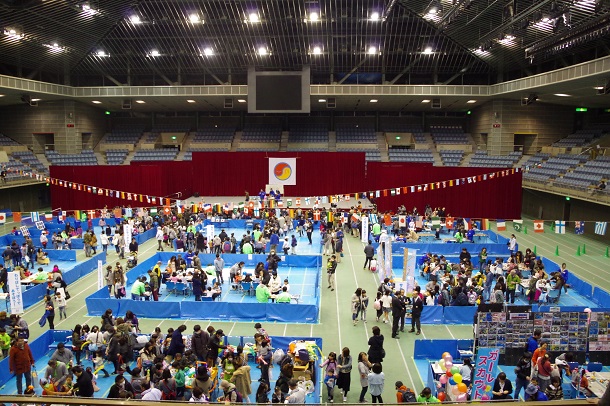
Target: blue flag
579 227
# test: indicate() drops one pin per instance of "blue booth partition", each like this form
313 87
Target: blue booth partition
601 297
447 249
291 313
224 311
459 314
61 255
432 315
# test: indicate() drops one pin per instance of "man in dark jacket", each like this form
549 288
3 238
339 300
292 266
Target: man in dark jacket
418 307
215 344
199 343
369 251
83 387
177 344
397 309
20 363
4 278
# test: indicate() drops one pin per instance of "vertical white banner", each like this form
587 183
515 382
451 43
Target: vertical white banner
101 278
411 265
209 232
127 233
365 229
14 289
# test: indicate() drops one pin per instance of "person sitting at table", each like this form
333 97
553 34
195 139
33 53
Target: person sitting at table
235 270
41 257
214 291
275 285
262 293
412 237
248 278
283 296
286 285
502 388
41 276
21 271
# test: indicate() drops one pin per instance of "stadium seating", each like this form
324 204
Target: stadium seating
124 134
164 154
356 135
28 158
86 157
261 134
308 133
214 134
590 174
481 159
447 134
410 155
580 138
116 156
451 157
6 141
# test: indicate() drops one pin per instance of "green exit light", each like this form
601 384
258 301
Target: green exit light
107 113
607 111
173 138
567 197
581 109
397 138
469 112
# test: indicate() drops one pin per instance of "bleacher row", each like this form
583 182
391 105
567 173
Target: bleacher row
481 159
86 157
568 171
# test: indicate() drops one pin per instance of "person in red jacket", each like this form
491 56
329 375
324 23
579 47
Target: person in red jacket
20 363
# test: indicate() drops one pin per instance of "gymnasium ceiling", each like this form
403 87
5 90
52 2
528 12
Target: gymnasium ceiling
97 42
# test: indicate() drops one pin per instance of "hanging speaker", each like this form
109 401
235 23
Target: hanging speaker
228 103
436 104
126 104
331 103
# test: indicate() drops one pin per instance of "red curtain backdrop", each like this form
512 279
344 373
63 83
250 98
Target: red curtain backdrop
318 173
496 198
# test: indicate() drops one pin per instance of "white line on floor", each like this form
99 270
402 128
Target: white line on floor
450 333
406 366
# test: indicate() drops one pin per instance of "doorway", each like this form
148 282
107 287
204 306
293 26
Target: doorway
43 142
525 143
87 140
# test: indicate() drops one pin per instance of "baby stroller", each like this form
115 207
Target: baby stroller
132 260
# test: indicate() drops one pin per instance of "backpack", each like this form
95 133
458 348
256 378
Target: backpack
377 305
227 246
408 396
167 393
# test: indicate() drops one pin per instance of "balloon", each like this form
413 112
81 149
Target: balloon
441 364
485 397
462 397
448 357
443 379
445 354
455 370
449 365
455 391
451 381
587 310
487 388
457 377
442 396
448 373
462 387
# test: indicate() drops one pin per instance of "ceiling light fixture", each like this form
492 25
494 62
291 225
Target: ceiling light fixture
321 100
190 101
101 53
36 100
208 51
374 16
562 95
194 18
96 102
135 19
314 16
253 18
372 50
241 100
471 101
262 51
425 101
14 33
154 52
316 50
428 51
598 88
140 101
435 7
374 101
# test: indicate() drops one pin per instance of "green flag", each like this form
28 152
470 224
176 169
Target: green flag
518 225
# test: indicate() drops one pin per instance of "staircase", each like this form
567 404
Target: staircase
284 141
185 147
332 141
522 161
236 141
43 159
437 157
382 146
101 158
466 159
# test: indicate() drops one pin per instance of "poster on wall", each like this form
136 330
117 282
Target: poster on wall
365 229
101 278
283 171
485 371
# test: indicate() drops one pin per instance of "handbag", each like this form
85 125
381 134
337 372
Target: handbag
67 295
35 381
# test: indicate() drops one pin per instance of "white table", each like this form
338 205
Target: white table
598 381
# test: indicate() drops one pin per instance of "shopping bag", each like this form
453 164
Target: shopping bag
35 381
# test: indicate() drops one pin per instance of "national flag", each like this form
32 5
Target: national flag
344 218
377 193
373 218
307 201
153 210
48 216
271 203
289 202
241 205
397 191
347 198
316 215
518 225
207 208
61 216
91 214
2 217
17 216
256 212
178 209
324 199
560 227
436 222
449 223
539 226
500 225
35 216
579 227
217 207
467 225
402 221
167 210
419 222
194 207
83 216
484 224
330 217
600 227
280 203
118 213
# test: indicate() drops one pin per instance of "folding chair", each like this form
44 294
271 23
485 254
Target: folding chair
170 287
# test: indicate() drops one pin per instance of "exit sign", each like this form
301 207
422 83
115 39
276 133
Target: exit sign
496 125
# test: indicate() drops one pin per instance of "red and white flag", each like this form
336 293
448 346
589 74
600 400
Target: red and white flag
539 226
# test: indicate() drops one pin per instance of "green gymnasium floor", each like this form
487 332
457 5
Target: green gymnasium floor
335 319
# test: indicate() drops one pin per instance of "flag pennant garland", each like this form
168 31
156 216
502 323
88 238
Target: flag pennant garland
436 222
484 224
518 225
373 218
402 221
500 225
560 227
35 216
539 226
579 227
600 227
449 223
307 201
2 218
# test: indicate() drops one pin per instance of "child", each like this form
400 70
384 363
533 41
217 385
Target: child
277 397
329 379
373 265
364 303
180 378
5 342
198 396
60 300
544 291
386 304
378 306
98 363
